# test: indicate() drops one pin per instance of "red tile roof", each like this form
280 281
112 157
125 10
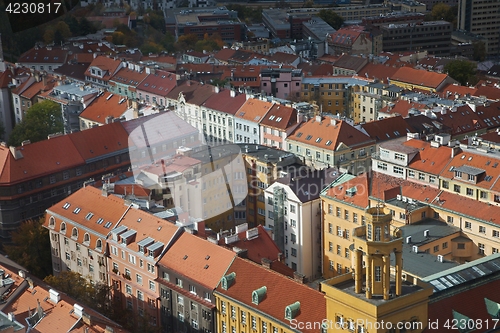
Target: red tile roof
462 121
280 117
331 135
387 128
281 292
108 65
419 77
254 110
194 92
359 199
429 159
133 189
198 259
224 102
492 93
450 90
43 55
382 185
401 107
104 106
90 200
129 77
38 87
224 55
378 71
159 83
257 248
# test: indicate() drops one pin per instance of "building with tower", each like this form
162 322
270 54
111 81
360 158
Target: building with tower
375 298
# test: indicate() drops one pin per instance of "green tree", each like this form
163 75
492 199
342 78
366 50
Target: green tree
31 248
86 27
186 42
41 119
332 18
479 51
463 71
168 41
73 24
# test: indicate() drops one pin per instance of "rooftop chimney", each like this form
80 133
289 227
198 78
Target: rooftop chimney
300 278
266 262
318 118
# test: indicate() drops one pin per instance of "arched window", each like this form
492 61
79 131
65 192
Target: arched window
52 222
63 227
74 233
86 238
98 245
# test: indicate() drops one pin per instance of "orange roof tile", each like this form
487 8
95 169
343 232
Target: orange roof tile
429 159
382 184
223 101
89 200
378 71
198 259
104 106
160 83
254 110
419 77
492 93
461 121
135 189
401 107
44 55
450 90
359 199
129 77
324 134
281 292
280 117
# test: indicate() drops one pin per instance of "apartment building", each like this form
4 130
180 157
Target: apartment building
323 141
409 79
153 90
127 79
103 110
50 170
136 243
367 101
481 18
279 122
282 83
293 213
45 58
217 115
247 121
252 298
101 70
187 299
263 166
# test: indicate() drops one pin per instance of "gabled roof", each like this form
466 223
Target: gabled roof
461 121
488 164
350 62
159 83
43 55
198 260
325 134
104 106
452 89
490 114
385 187
254 110
429 159
283 58
280 117
281 292
106 64
419 77
194 92
224 54
387 128
224 102
378 71
38 87
5 78
425 125
74 71
346 35
492 93
89 200
401 107
129 77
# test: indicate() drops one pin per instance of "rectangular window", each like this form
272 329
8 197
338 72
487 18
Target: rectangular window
481 248
482 229
192 289
468 225
378 273
469 192
495 233
436 248
449 219
411 173
355 217
397 170
446 184
444 245
138 279
152 286
456 188
330 228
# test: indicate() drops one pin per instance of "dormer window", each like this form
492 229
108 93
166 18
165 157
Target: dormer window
74 233
52 222
228 280
258 295
458 174
63 227
292 310
472 178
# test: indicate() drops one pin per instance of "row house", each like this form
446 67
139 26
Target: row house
218 115
263 166
153 90
418 161
126 80
279 122
366 101
247 119
26 94
135 246
252 298
103 110
329 142
186 99
73 99
78 227
101 70
186 295
293 213
48 171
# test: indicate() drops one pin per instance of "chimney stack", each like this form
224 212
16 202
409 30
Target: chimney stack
300 278
266 263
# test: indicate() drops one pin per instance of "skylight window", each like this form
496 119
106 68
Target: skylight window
309 137
100 220
299 134
272 117
279 119
77 210
318 140
328 143
89 216
495 165
66 205
107 225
